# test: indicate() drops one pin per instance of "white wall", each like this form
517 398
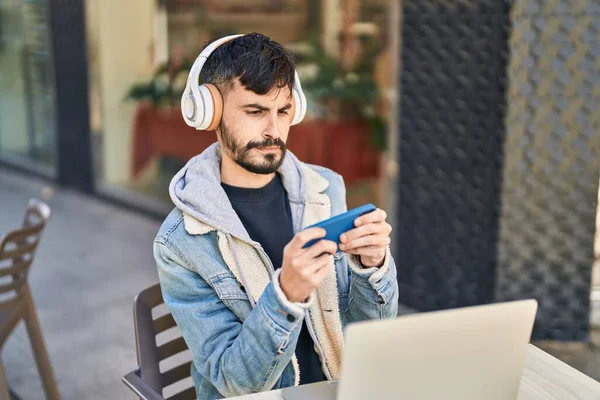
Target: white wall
121 34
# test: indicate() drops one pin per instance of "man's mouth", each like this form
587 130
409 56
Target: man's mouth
269 148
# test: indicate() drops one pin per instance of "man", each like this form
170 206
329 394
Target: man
256 309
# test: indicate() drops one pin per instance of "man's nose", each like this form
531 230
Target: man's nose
272 129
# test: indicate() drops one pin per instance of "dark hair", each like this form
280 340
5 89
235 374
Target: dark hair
260 63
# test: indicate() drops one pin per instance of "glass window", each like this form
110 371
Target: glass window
26 85
140 54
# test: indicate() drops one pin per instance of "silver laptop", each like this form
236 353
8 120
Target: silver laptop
467 353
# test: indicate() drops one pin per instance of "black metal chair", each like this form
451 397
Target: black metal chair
148 381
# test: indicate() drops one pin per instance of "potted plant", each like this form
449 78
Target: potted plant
347 98
165 88
158 129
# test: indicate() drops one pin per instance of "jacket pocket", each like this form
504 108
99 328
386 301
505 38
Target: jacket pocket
232 294
227 287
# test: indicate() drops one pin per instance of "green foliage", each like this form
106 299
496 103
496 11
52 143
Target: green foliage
353 92
165 88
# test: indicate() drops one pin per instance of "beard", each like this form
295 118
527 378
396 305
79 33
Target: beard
257 163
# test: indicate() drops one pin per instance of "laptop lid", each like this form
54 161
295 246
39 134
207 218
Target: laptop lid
465 353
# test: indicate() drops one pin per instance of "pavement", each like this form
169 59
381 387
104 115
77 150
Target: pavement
93 259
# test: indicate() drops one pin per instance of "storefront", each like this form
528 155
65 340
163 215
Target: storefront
89 93
139 55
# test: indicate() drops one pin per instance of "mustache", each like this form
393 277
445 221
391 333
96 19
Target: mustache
266 143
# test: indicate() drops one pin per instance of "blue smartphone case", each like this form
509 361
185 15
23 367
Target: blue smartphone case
340 224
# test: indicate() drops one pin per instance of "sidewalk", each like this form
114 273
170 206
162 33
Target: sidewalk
92 260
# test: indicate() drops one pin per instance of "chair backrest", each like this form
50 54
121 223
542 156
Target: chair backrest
163 356
17 249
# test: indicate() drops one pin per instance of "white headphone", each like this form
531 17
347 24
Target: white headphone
202 105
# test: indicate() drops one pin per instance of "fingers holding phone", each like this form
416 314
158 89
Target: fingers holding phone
369 239
304 269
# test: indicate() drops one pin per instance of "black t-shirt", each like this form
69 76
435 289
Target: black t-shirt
266 215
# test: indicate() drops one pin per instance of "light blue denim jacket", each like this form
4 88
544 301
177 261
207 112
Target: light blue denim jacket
242 333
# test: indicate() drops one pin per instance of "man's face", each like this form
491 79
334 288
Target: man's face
254 128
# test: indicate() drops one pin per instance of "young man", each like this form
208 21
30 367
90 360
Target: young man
256 309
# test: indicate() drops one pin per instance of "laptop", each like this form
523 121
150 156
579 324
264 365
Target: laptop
469 353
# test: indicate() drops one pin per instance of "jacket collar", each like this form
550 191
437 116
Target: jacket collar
303 185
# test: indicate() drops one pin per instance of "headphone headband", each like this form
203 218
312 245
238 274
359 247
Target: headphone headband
194 76
200 99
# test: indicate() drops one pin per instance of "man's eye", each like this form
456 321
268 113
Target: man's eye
255 112
283 112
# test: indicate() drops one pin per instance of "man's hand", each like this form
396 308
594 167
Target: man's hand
303 270
369 239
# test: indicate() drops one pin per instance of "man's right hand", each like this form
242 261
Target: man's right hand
303 270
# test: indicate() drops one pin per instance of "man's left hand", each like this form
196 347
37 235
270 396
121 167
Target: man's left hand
369 239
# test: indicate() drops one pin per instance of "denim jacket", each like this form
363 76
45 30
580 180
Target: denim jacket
224 293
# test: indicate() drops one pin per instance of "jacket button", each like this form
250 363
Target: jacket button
291 318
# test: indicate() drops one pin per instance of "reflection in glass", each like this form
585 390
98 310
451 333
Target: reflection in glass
26 84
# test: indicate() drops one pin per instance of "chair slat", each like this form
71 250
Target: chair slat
151 296
12 303
163 323
19 267
18 252
14 285
171 348
176 374
187 394
21 234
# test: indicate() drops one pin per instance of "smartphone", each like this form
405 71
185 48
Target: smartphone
338 225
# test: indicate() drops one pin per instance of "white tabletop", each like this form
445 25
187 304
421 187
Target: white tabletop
544 377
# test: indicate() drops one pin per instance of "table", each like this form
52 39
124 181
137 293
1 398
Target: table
544 377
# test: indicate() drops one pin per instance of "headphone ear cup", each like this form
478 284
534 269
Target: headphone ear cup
189 110
204 108
293 108
296 107
217 107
